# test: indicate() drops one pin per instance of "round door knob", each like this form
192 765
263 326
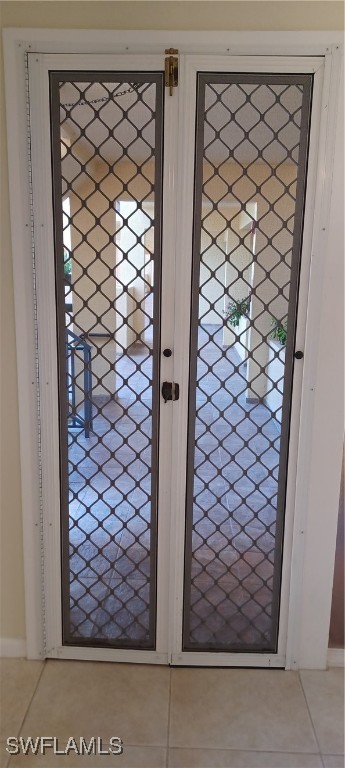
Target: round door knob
299 355
167 352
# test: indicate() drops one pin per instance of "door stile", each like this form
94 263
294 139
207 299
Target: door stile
47 359
184 217
168 410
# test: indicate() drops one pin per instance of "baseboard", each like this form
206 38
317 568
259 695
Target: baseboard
12 648
336 657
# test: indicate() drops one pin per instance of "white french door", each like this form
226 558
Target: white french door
171 290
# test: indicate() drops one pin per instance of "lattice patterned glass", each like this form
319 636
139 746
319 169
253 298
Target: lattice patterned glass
250 168
107 179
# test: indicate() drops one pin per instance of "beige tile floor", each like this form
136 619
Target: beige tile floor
182 718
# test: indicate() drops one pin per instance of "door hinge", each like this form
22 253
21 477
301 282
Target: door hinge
171 69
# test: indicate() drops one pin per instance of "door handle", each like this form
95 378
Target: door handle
170 391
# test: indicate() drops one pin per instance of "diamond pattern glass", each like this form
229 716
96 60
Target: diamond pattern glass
107 168
251 153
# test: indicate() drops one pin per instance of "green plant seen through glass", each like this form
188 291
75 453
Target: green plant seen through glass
237 309
67 264
279 332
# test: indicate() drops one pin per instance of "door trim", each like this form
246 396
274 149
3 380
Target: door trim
318 388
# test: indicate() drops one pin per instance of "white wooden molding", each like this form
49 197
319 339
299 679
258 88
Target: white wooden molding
12 648
336 657
188 42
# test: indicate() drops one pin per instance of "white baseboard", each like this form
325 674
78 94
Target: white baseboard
12 648
336 657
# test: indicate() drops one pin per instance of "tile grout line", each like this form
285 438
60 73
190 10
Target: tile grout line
220 749
310 717
252 750
32 697
169 713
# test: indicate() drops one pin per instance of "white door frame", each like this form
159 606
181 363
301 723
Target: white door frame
318 471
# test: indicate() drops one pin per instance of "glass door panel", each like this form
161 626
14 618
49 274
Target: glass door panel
107 177
250 172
